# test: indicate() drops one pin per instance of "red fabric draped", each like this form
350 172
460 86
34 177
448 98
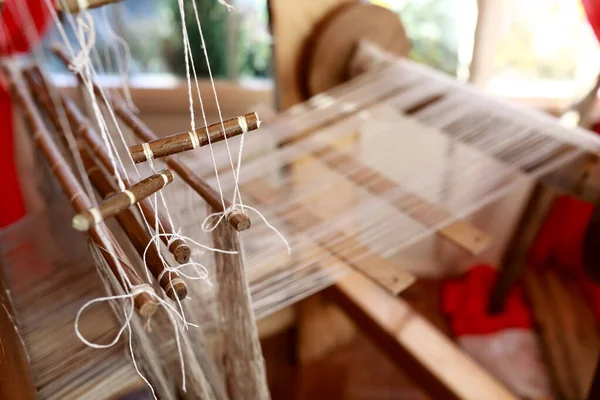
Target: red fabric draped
592 12
15 15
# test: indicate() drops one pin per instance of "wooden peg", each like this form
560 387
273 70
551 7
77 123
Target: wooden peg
184 141
122 200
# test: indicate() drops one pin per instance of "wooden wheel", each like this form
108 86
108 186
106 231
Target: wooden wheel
329 50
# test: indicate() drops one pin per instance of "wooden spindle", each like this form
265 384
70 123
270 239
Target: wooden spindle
170 281
239 220
36 79
101 236
122 200
184 141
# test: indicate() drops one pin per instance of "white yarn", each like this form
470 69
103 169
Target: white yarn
219 216
148 151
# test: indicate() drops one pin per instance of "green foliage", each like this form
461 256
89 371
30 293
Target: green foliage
213 19
432 30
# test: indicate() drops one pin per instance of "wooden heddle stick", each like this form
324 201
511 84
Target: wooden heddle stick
143 301
122 200
173 286
185 141
36 79
170 281
236 218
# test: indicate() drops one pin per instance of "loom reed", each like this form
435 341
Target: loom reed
119 265
83 128
238 219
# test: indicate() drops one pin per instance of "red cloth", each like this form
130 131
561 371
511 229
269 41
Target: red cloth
465 301
559 242
592 12
14 16
17 14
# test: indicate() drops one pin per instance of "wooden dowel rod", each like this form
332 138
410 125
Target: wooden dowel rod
170 281
239 220
121 201
143 301
35 78
184 141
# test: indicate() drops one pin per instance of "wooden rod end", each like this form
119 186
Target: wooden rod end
145 304
176 289
81 223
137 153
239 221
181 251
252 121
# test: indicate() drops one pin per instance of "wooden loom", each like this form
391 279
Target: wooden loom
368 281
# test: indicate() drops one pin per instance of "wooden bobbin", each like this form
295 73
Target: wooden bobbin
328 52
122 200
185 141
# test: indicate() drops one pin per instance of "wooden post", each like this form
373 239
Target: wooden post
243 363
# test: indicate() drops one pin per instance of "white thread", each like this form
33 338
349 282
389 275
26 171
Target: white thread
175 281
147 151
206 227
132 199
96 215
165 178
76 195
243 123
194 139
160 276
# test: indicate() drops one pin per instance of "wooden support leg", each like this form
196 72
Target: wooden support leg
513 262
428 357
